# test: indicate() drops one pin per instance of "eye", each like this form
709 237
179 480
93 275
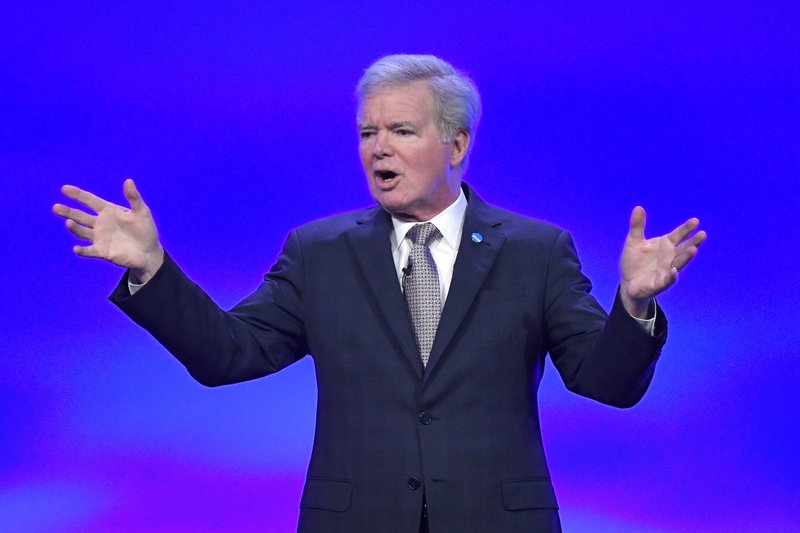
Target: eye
403 132
366 134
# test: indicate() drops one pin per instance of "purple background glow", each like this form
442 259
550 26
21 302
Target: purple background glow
238 124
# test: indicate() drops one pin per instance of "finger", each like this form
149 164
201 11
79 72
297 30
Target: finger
81 217
133 196
86 251
636 230
680 261
95 203
698 238
694 241
684 230
82 232
671 278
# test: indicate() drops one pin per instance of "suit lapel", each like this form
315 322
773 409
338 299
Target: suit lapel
371 247
473 263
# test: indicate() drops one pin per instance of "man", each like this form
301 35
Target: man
428 317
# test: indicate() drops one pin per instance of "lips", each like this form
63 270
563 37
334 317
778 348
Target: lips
385 179
385 175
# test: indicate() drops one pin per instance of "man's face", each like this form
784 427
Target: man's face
412 173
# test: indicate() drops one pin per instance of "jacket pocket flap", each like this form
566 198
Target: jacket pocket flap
529 494
327 494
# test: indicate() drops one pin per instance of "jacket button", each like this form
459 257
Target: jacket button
413 483
425 417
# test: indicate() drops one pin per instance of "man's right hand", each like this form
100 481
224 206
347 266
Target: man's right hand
125 237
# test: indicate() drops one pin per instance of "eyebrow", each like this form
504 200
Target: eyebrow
392 126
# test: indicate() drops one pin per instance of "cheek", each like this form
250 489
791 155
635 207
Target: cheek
363 154
432 163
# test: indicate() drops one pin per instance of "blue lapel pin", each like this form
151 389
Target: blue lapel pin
477 238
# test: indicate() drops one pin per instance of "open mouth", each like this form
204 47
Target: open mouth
385 175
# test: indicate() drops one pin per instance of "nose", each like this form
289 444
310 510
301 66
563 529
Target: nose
382 146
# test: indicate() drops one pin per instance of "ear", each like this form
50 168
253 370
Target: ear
461 142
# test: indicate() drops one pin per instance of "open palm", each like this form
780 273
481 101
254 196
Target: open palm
125 237
650 266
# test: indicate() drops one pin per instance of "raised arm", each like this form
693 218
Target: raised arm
650 266
125 237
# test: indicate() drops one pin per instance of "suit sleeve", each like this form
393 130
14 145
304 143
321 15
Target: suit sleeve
261 335
609 358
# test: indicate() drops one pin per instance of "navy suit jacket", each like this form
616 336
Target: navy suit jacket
465 430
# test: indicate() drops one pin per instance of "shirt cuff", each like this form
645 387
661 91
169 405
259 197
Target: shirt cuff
133 287
649 324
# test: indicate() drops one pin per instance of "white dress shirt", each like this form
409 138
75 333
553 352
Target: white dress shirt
444 249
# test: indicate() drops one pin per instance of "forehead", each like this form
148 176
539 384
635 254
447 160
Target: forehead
408 102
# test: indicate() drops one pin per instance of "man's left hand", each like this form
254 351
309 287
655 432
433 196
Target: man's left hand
650 266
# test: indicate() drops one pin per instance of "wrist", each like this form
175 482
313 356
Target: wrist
141 275
641 308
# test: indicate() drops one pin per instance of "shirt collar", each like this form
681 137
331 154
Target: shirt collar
448 222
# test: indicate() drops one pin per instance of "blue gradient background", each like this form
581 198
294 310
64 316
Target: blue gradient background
238 124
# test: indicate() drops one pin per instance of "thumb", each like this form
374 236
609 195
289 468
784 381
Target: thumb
636 230
133 196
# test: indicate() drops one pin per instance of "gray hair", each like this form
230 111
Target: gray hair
456 102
